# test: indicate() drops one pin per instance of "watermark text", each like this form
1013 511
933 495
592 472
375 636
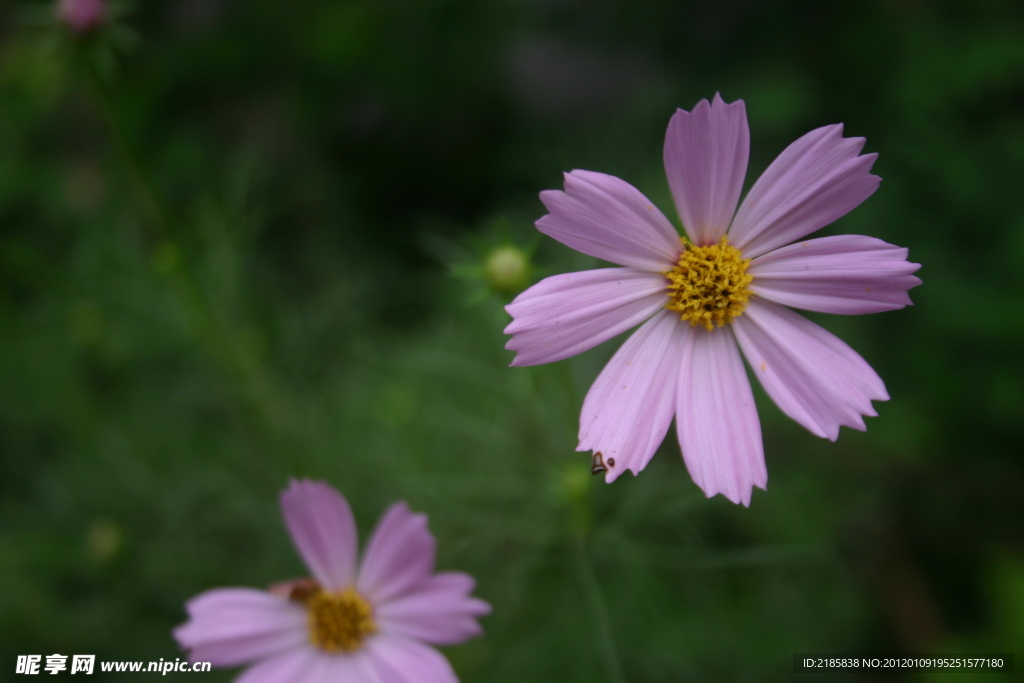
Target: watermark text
31 665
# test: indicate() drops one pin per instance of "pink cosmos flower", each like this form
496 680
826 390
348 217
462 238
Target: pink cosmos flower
371 621
722 289
81 16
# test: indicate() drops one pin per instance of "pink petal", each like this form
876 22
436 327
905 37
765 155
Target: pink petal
399 556
321 525
706 153
563 315
815 181
331 668
440 611
605 217
629 407
357 667
716 419
231 626
301 664
810 373
849 274
402 660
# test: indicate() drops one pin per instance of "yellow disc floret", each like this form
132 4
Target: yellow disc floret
710 285
339 622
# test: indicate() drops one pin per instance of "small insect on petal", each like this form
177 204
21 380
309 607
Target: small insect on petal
731 269
296 590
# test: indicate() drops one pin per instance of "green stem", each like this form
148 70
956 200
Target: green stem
599 610
207 324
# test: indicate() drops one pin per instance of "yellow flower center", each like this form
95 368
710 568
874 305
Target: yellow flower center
710 285
339 622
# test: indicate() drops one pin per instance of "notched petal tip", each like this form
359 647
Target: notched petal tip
300 489
628 409
719 102
705 156
717 425
843 274
399 554
715 104
812 375
744 497
566 314
815 181
606 217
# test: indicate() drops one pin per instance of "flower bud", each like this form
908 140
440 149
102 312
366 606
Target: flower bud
81 16
507 269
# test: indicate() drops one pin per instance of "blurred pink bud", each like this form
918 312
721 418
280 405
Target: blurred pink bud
81 16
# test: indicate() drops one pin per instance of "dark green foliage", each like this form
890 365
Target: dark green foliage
225 257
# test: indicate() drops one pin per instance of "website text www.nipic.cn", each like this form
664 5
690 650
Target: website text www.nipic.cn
86 664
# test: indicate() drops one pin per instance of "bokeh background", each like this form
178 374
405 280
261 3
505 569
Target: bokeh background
243 241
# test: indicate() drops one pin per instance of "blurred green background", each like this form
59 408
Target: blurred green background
241 241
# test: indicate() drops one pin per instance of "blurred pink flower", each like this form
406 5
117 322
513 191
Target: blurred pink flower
704 300
371 621
81 16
